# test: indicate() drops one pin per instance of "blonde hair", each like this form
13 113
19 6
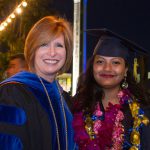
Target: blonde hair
44 31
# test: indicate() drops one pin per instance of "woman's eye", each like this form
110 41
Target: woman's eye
116 62
44 44
59 45
99 61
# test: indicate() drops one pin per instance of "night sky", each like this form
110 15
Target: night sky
129 18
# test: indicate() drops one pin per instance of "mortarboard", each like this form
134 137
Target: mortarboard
113 45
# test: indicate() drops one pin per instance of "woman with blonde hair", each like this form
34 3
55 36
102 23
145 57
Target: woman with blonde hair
34 113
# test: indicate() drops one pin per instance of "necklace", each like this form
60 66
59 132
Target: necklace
53 112
94 128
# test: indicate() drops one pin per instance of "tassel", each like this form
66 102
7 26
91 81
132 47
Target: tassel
135 66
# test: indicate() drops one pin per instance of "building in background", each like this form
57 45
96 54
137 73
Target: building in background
65 81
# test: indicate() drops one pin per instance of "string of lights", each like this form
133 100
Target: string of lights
17 10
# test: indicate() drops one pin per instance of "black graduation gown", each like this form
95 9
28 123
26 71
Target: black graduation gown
37 126
144 131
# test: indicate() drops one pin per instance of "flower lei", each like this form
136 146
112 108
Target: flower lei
95 132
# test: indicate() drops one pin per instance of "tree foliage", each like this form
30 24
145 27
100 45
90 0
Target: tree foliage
14 35
12 39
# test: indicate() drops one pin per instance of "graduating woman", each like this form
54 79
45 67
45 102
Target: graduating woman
33 112
111 110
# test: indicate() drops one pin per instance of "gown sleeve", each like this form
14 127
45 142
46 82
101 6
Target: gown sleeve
144 130
24 124
145 133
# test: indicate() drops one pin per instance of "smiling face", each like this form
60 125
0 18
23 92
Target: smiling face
109 71
50 58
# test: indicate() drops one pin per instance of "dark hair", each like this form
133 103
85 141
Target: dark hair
19 56
89 92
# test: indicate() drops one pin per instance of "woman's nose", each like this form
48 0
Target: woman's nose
52 50
107 67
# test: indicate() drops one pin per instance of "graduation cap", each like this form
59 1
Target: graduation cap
113 45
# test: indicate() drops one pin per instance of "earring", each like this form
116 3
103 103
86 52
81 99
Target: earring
124 85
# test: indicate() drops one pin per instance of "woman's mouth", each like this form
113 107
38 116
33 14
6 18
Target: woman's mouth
107 75
49 61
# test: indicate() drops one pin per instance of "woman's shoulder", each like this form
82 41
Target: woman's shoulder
19 113
11 87
146 109
145 136
14 92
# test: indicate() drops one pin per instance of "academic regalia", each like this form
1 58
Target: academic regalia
112 44
128 125
131 130
26 120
